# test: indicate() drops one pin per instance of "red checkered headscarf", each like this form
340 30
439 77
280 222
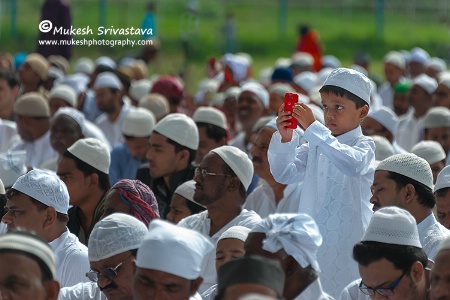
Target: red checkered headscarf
140 198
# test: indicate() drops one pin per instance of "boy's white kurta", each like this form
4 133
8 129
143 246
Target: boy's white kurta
337 173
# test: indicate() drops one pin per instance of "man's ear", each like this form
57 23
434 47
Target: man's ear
50 217
409 193
417 271
195 284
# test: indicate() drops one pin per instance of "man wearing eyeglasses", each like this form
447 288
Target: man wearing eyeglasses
112 251
221 183
270 196
391 261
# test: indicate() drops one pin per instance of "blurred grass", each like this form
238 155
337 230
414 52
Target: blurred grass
344 30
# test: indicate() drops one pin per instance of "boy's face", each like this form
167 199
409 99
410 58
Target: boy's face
341 114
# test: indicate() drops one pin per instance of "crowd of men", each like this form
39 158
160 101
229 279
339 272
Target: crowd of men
118 184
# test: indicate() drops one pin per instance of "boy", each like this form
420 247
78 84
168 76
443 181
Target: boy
336 167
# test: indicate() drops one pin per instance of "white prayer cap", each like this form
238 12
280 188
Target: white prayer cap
431 151
78 82
238 64
93 152
258 90
127 61
445 79
179 128
438 116
323 75
84 65
105 61
74 114
297 234
283 62
383 148
238 161
445 244
64 92
2 188
56 73
265 76
32 246
406 54
330 61
352 81
306 80
247 56
393 225
12 166
173 249
409 165
140 88
32 104
217 100
210 115
426 82
281 89
437 64
302 59
419 55
443 179
155 103
46 188
187 190
107 80
235 232
395 58
386 117
139 122
233 91
115 234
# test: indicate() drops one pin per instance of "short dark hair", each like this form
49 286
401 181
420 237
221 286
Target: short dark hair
338 91
64 218
213 131
442 192
87 170
130 138
401 256
10 77
228 171
3 200
424 193
179 147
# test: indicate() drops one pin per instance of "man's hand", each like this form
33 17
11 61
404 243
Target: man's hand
284 120
304 115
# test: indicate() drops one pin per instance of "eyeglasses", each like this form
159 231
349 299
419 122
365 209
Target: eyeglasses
109 273
205 173
382 291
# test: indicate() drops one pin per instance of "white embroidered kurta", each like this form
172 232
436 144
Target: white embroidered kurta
431 234
8 134
113 130
262 200
38 151
337 173
201 223
72 261
82 291
352 292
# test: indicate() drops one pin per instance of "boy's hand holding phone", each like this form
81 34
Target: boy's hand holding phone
303 113
285 122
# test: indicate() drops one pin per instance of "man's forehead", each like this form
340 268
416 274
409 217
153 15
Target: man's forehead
211 159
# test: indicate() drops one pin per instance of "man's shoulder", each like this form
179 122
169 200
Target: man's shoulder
194 221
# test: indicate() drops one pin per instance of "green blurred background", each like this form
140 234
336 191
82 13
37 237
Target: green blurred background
264 29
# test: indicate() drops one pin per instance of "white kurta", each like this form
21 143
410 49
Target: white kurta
201 223
431 234
314 291
8 134
352 292
113 130
262 199
410 132
38 151
337 173
72 261
82 291
386 93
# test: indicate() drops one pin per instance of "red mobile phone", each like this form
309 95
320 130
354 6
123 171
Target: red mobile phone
289 100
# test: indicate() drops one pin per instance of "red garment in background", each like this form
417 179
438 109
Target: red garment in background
310 43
